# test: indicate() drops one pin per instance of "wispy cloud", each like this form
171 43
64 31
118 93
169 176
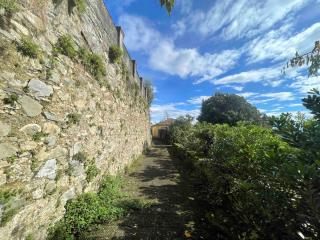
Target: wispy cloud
166 57
198 100
242 18
159 112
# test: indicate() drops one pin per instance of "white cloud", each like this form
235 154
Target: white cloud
279 45
139 34
198 100
184 6
270 76
247 94
242 18
188 62
166 57
304 84
159 112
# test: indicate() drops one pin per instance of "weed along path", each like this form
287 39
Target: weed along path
165 206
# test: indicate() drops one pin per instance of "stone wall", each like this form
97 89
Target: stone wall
61 121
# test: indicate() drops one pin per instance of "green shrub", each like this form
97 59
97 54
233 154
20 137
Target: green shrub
80 156
254 181
74 118
93 63
81 5
28 48
38 136
9 6
115 54
91 172
11 99
66 46
88 209
82 212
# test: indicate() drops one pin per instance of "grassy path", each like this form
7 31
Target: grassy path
159 180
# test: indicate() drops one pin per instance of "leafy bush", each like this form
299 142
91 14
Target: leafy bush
92 171
93 63
115 54
28 48
255 182
88 209
74 118
37 136
228 108
66 46
11 99
80 156
81 5
9 6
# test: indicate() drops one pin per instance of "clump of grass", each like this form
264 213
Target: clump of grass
80 156
10 6
28 47
93 63
89 208
66 46
38 136
12 159
115 54
91 172
11 100
81 5
8 212
73 118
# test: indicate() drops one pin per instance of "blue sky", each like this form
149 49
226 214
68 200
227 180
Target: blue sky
233 46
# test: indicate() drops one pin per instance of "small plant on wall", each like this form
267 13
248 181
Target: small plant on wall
115 54
28 48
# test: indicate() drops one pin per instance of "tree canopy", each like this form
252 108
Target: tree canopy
228 108
168 4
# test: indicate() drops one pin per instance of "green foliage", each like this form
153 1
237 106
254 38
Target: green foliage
73 118
9 6
312 102
81 5
254 182
93 63
150 92
228 108
7 212
11 99
80 156
115 54
89 208
29 237
311 59
28 47
38 136
6 196
66 46
91 172
168 4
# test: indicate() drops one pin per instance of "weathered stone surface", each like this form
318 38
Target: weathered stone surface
56 153
48 170
55 77
40 88
3 179
50 187
38 193
71 193
77 169
51 129
31 107
7 150
4 129
52 117
28 145
51 141
30 129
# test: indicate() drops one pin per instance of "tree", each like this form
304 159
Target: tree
228 108
150 91
168 4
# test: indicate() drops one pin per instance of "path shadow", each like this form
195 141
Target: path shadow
176 213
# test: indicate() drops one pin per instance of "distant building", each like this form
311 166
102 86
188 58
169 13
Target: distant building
161 129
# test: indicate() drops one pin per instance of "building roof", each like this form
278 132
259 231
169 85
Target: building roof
166 122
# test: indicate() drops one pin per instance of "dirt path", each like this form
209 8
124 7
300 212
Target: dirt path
159 179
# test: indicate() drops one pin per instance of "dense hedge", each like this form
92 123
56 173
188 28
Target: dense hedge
256 185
